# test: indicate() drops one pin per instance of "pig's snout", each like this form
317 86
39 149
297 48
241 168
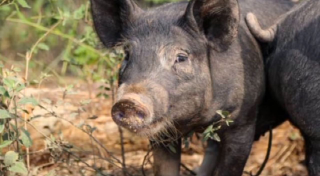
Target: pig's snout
131 113
129 109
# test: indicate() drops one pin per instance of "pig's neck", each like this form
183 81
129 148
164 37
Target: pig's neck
237 80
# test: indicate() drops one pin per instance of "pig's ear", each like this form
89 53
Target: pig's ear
218 20
110 17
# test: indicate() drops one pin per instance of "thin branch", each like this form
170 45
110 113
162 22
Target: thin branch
16 123
28 57
187 169
90 135
144 161
119 128
41 38
4 1
268 153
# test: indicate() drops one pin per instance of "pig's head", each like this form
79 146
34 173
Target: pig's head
165 81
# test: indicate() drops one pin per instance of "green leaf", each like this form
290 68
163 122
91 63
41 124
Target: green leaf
16 69
79 13
25 138
171 147
223 114
52 138
228 122
2 121
216 128
4 114
9 82
8 136
294 136
208 130
206 136
5 144
23 3
216 137
20 87
43 46
85 102
4 92
186 143
1 65
28 100
10 158
19 167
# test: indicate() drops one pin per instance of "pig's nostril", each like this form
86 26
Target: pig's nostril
127 109
141 115
119 115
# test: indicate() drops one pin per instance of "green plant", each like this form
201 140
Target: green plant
51 26
10 131
211 131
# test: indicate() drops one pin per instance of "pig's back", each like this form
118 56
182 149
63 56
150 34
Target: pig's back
294 66
267 11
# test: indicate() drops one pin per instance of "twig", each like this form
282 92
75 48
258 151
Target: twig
92 146
122 152
90 135
264 163
268 153
187 169
144 161
16 123
79 159
120 130
28 57
86 13
3 2
288 153
73 153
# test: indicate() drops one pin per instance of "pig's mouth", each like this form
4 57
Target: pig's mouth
135 117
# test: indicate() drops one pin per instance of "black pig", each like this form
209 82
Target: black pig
184 61
292 56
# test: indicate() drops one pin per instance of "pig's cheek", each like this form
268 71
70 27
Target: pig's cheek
184 71
160 97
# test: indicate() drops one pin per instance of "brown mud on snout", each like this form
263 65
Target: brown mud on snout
141 108
130 113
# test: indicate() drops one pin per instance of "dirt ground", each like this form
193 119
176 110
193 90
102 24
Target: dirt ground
74 152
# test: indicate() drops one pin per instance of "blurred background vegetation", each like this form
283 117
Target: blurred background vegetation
51 38
59 36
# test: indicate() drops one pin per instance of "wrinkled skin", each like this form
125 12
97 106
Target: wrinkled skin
184 61
293 73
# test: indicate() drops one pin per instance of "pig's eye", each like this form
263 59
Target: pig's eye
181 58
124 63
126 58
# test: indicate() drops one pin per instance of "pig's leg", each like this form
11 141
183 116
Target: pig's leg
313 156
166 162
234 150
210 158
